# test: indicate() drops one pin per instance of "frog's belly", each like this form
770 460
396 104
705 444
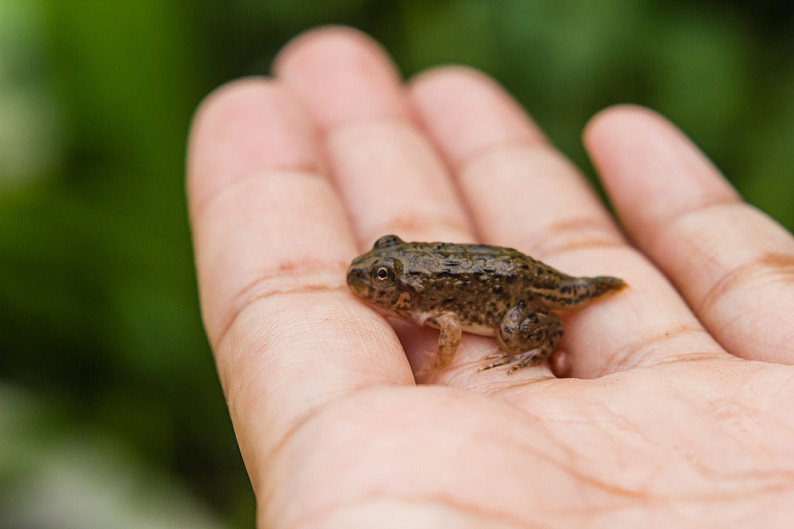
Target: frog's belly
426 319
482 330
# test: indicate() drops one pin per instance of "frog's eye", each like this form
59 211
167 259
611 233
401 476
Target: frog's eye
387 241
382 273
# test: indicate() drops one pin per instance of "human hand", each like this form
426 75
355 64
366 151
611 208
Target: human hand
680 410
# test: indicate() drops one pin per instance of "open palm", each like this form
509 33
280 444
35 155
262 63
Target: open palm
679 409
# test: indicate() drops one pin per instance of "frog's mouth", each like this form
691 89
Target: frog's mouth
357 281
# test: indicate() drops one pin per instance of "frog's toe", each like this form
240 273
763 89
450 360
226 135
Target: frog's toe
502 360
520 365
530 358
517 361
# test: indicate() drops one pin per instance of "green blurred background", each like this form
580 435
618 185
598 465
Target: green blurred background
111 414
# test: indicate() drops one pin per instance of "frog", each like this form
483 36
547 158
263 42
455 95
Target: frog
476 288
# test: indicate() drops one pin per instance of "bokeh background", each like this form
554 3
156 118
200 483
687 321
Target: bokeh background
111 414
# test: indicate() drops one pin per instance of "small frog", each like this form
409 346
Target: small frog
477 288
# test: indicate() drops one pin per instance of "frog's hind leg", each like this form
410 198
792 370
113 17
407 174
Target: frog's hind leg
526 337
449 338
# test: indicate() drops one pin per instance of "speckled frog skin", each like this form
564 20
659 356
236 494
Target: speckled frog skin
477 288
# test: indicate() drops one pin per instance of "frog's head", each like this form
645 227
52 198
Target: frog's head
377 276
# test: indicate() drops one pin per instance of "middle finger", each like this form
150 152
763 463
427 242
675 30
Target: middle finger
388 174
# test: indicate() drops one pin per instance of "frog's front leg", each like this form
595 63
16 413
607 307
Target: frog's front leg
448 340
527 334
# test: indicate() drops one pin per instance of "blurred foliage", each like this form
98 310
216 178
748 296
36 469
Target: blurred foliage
108 384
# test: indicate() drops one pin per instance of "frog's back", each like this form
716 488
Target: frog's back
493 275
477 270
483 262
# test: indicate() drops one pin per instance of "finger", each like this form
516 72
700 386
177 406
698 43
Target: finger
389 174
272 244
732 263
523 193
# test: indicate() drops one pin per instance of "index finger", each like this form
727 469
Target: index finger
272 244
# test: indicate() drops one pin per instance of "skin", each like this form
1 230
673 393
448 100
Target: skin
679 410
477 288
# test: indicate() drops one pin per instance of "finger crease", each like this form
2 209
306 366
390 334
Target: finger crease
662 226
396 121
770 267
573 234
643 349
418 224
288 278
501 147
232 183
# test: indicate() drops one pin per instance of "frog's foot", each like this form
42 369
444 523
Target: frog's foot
530 358
518 361
526 336
501 360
